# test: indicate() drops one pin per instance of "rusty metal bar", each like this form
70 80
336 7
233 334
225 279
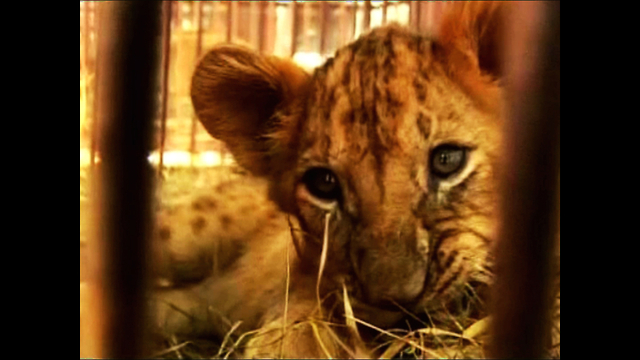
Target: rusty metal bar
367 16
414 14
384 12
295 8
178 14
232 30
122 187
84 35
194 119
83 14
199 18
84 60
231 8
229 20
94 120
324 26
344 36
354 16
252 18
262 27
167 7
427 16
269 27
531 185
437 10
426 9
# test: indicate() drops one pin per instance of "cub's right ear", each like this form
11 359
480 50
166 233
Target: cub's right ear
470 38
247 100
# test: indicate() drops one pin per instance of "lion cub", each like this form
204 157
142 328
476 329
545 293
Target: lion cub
377 185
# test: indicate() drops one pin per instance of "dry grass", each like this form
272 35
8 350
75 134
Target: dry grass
454 330
428 342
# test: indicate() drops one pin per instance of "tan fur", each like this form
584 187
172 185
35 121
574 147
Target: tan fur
399 235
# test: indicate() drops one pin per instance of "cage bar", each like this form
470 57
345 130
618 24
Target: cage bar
530 184
229 20
262 26
121 199
234 10
167 7
94 120
354 15
84 34
84 39
414 14
194 119
384 12
296 10
367 16
324 26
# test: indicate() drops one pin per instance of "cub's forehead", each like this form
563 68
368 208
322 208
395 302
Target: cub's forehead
382 54
367 96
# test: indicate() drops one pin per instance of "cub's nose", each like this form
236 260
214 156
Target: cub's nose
387 277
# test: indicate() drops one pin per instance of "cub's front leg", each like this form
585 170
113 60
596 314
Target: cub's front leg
187 313
279 318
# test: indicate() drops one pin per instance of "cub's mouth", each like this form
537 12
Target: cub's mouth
376 315
384 311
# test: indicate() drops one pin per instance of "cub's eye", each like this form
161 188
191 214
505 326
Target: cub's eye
322 183
447 159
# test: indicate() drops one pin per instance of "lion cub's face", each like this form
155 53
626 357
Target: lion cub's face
403 159
396 137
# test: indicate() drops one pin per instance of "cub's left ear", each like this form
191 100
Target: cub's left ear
249 102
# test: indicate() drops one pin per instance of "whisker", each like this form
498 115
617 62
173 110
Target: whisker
323 258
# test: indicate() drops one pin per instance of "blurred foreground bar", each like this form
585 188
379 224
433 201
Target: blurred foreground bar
128 62
531 182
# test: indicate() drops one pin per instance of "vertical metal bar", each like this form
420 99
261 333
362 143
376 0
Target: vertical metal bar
367 16
354 16
531 187
295 28
343 37
167 13
262 26
384 12
122 189
435 17
324 26
84 34
414 14
230 15
269 29
94 116
82 26
229 20
199 31
233 20
428 9
84 38
194 119
425 11
438 11
178 14
252 11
